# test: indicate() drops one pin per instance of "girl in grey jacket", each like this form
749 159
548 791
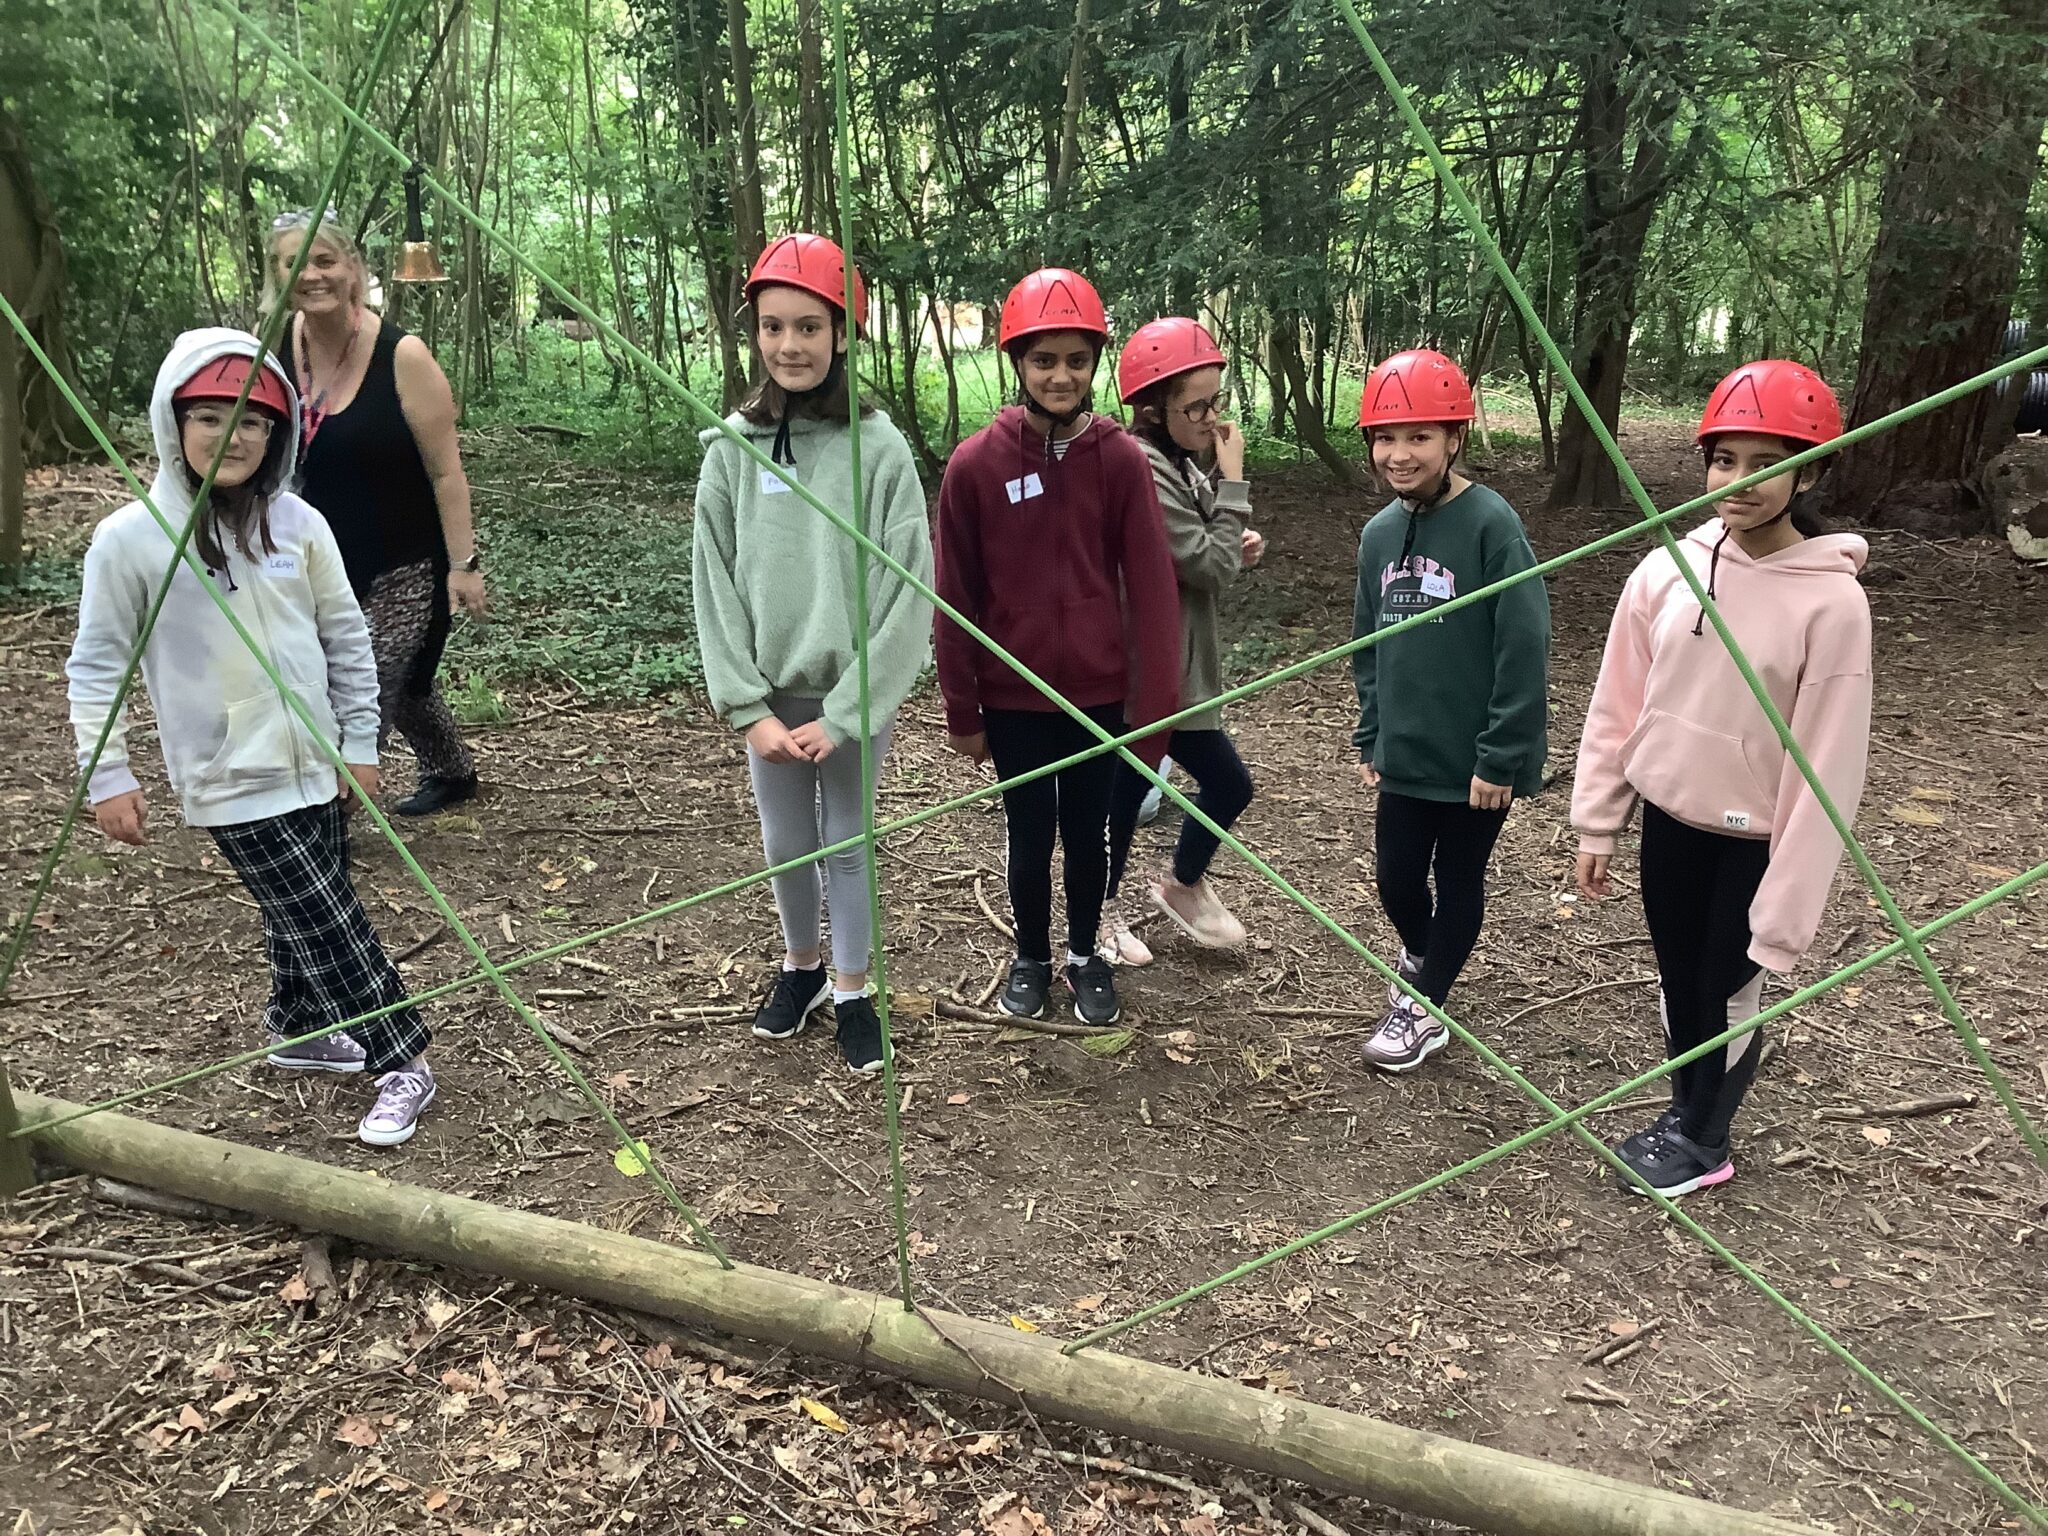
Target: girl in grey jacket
1171 375
244 764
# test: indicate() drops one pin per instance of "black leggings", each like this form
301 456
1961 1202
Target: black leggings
1225 786
1697 887
1410 836
1074 803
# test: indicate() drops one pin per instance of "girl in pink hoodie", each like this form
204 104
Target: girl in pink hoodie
1737 855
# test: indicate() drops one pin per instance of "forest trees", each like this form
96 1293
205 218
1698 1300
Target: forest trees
1672 181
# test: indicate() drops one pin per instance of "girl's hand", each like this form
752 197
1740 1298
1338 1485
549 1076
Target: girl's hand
1229 451
974 748
1590 871
1490 797
772 742
124 818
812 741
1368 776
367 775
466 594
1251 548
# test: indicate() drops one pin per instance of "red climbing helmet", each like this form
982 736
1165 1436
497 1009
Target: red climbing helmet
1775 397
1164 349
1053 299
815 265
1415 386
221 378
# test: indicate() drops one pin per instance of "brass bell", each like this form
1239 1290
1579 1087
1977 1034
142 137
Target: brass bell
418 262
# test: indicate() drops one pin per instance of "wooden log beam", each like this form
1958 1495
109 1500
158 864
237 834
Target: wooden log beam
1221 1421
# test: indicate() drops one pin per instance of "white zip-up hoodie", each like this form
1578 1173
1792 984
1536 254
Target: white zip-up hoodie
234 751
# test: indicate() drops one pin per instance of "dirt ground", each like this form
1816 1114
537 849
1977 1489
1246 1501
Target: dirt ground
237 1391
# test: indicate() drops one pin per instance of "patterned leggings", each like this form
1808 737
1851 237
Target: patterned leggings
402 608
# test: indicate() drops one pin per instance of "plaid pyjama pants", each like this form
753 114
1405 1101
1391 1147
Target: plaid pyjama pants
326 963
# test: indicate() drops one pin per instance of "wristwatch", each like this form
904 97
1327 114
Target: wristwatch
472 565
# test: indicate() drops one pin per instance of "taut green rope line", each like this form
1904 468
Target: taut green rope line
1550 1127
891 1106
1868 870
298 708
273 327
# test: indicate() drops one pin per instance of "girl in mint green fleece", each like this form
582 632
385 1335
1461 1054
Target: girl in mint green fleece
774 597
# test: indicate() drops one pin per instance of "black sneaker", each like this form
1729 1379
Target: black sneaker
1025 994
1636 1145
789 1005
437 794
860 1034
1094 989
1673 1164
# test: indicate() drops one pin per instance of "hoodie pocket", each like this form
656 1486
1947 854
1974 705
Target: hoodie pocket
1700 776
265 742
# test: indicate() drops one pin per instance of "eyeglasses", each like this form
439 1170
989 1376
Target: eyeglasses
252 428
1204 410
299 218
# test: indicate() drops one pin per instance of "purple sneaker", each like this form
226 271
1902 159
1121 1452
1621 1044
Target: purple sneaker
401 1095
1406 1038
330 1053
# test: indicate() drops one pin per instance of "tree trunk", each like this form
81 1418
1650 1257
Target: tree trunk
1620 198
1950 233
816 204
1070 115
32 277
1345 1453
750 220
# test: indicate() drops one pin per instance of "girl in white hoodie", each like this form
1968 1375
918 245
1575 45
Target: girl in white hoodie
242 764
1737 855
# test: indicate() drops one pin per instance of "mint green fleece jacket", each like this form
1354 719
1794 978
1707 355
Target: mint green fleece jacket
773 580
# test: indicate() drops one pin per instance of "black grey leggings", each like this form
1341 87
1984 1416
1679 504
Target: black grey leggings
1697 887
407 610
1413 836
1225 786
1074 804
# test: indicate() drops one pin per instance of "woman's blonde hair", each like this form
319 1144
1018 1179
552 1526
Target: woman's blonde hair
324 230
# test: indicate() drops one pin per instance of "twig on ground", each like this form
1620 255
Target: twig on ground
157 1203
945 1008
1565 997
989 912
418 945
1911 1109
1608 1348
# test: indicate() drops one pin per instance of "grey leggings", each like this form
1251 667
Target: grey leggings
804 807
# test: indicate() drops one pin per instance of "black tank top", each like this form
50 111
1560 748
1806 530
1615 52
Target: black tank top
364 472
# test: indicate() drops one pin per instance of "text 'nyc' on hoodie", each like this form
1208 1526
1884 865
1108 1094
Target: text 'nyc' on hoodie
234 752
1064 563
1672 721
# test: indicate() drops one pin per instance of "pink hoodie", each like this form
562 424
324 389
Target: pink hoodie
1673 722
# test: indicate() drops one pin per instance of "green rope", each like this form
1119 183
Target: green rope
333 755
273 328
1558 1123
891 1105
1448 179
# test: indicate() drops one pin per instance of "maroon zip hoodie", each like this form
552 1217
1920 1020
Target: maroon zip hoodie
1064 563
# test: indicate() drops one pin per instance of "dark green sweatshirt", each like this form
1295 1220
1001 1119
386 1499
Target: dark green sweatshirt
1462 696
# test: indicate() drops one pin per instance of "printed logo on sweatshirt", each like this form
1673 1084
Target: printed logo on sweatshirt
773 484
1025 489
1437 581
281 565
1735 821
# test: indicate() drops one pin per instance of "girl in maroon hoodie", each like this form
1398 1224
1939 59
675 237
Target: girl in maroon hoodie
1050 540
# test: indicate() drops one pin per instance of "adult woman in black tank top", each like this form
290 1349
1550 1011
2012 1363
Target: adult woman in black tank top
380 460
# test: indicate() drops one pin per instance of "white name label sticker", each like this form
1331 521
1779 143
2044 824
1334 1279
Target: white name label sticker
1735 821
1025 489
1436 586
282 565
773 484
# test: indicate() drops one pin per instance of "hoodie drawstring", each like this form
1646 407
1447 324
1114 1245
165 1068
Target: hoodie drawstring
1699 625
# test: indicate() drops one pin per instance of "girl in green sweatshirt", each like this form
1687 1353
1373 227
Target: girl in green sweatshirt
774 585
1451 712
